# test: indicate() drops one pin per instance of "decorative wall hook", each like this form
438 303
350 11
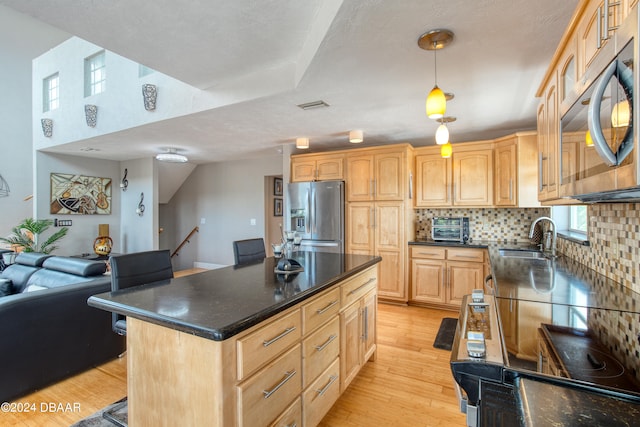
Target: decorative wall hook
140 209
91 114
124 183
47 127
149 95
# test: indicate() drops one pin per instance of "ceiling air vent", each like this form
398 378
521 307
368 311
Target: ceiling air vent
314 104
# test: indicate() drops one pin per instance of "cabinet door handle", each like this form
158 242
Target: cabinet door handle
324 389
599 28
287 376
371 189
365 313
322 310
511 189
353 291
326 343
605 20
282 335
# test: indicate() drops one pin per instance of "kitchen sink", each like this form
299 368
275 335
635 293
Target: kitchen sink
522 253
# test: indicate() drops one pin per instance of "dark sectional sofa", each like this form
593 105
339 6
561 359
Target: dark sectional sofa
47 330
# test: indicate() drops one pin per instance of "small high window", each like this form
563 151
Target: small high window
50 93
95 74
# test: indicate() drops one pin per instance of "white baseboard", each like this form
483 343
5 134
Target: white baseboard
208 265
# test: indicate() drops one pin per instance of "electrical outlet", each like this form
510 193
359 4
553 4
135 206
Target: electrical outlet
252 221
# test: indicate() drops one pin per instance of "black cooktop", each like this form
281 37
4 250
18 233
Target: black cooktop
585 359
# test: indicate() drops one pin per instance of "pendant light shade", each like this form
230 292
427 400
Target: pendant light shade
446 150
587 139
436 103
620 114
302 143
442 134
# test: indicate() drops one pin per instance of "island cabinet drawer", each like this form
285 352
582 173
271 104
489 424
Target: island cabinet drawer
260 346
356 287
292 416
320 349
468 255
320 310
318 398
265 395
428 252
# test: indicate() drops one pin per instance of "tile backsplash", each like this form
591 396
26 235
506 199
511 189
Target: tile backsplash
614 236
614 251
485 224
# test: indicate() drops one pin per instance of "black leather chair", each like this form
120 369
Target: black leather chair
137 269
127 271
249 251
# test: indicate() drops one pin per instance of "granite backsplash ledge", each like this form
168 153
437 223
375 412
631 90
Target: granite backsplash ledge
493 224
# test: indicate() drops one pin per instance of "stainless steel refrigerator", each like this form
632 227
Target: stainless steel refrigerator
315 210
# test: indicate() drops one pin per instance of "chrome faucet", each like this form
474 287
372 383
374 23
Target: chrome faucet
546 247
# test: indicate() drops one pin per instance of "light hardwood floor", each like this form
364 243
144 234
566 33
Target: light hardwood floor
410 383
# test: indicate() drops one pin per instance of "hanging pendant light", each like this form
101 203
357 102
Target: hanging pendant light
442 134
436 105
446 150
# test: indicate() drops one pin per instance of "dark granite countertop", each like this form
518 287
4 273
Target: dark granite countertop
218 304
545 403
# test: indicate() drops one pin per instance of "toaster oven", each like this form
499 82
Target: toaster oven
450 229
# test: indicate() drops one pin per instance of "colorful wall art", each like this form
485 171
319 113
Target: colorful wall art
79 194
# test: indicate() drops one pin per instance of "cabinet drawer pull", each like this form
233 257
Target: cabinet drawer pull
427 253
287 377
373 279
324 389
292 425
272 340
466 256
322 346
322 310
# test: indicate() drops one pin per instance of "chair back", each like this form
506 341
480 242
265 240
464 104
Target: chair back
135 269
249 251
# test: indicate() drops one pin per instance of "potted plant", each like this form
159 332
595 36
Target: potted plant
27 235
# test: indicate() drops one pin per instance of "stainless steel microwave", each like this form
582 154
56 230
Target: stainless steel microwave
598 132
449 229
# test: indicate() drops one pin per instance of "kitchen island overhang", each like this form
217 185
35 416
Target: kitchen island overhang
218 304
292 346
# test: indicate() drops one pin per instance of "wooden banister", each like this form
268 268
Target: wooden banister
185 241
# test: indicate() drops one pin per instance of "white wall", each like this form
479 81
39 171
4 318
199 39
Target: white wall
84 230
120 106
227 195
21 39
139 232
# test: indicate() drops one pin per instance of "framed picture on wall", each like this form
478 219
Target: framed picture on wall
277 186
277 207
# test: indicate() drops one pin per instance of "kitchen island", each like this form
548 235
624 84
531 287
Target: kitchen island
246 346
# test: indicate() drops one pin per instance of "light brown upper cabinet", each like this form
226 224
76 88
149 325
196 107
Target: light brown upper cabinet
516 170
377 174
590 29
317 167
466 179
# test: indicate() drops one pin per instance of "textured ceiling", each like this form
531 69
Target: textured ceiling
360 56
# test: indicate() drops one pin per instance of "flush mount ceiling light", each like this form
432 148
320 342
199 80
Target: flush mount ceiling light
302 143
356 136
171 156
436 104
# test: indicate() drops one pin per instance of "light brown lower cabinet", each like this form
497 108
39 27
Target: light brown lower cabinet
441 276
288 370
